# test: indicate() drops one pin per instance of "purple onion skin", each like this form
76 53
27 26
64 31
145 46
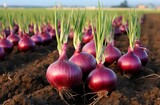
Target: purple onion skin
123 28
20 34
85 61
87 37
6 45
117 32
117 21
102 78
7 32
49 27
89 29
26 44
15 28
31 29
139 44
13 38
2 53
63 73
142 54
37 40
112 54
46 38
52 33
129 63
90 48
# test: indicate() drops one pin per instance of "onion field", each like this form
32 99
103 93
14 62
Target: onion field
74 56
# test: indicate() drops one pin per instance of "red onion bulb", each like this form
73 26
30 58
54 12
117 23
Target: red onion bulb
46 38
102 78
90 48
37 39
123 28
64 74
117 21
85 61
6 45
26 44
141 53
112 54
87 37
129 63
13 38
52 33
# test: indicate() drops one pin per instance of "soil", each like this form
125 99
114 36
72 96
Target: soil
23 81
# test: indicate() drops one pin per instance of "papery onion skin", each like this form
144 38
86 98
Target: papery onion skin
112 54
13 38
102 78
6 45
26 44
85 61
90 48
129 63
2 53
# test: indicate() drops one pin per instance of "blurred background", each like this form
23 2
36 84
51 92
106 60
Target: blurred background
81 3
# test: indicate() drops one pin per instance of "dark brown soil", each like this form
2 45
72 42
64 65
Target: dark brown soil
23 81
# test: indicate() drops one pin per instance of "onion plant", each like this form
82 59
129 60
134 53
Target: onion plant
101 80
63 74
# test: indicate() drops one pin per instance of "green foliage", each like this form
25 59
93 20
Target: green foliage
109 30
64 28
39 16
99 34
78 23
133 26
138 31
